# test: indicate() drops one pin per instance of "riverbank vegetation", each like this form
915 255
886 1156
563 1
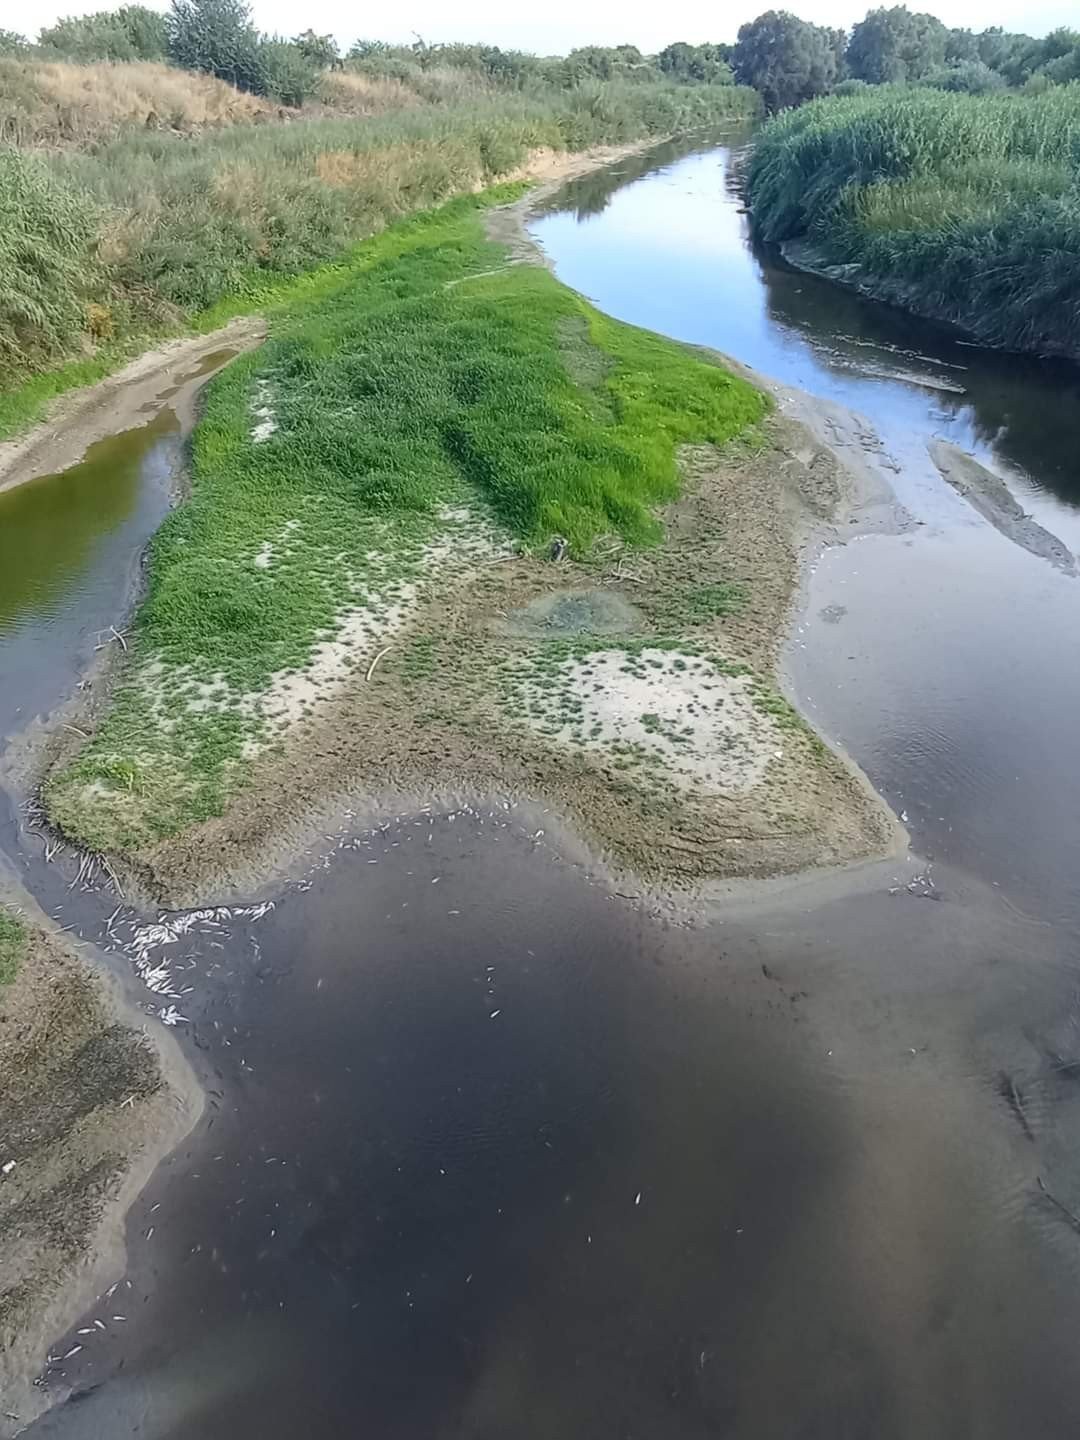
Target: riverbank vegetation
139 234
961 207
417 413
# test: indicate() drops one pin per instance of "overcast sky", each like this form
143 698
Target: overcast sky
559 25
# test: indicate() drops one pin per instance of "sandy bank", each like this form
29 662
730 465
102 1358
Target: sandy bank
93 1100
991 497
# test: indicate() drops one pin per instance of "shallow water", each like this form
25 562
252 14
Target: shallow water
491 1152
952 667
70 547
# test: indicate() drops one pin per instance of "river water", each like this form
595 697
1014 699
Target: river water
490 1151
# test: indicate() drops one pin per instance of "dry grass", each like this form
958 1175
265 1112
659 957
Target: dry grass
348 93
61 104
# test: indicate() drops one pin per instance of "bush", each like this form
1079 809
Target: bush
216 37
284 72
965 207
970 77
46 243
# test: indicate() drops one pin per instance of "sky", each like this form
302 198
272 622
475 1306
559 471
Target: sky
559 25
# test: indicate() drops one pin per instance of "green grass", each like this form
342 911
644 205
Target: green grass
157 231
965 207
12 946
402 383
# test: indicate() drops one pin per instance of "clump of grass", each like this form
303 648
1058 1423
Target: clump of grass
409 387
965 207
12 945
46 260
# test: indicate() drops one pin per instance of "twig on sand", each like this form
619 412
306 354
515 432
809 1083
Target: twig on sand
75 729
384 651
119 637
1073 1219
113 877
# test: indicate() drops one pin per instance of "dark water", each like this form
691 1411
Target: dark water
490 1152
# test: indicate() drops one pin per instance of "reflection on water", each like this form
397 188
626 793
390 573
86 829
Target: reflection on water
501 1156
69 551
720 289
68 547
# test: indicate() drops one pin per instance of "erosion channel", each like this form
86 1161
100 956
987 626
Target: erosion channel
495 1144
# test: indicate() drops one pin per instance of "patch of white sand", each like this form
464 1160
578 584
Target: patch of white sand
659 708
264 413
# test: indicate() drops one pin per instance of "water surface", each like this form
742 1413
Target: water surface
952 668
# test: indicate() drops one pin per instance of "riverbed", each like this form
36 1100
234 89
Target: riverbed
492 1149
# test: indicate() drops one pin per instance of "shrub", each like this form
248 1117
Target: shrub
131 33
46 264
284 72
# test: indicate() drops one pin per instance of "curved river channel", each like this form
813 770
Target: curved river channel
508 1156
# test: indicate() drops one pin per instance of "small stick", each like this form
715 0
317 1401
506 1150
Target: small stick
77 731
378 657
1074 1220
119 637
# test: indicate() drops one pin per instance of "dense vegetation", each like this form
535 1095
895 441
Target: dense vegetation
141 232
113 224
789 61
422 379
965 207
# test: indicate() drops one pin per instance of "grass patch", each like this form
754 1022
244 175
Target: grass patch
12 946
424 412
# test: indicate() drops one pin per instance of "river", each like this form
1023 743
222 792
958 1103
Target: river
491 1151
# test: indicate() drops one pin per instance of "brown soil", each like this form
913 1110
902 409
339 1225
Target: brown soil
90 1106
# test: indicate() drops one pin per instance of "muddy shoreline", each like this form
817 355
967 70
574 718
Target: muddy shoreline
95 1099
988 494
167 373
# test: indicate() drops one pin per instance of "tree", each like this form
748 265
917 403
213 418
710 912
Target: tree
603 62
695 64
960 46
131 33
896 45
971 77
320 50
217 37
12 43
785 59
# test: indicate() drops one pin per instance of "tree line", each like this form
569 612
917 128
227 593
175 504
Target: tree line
785 59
